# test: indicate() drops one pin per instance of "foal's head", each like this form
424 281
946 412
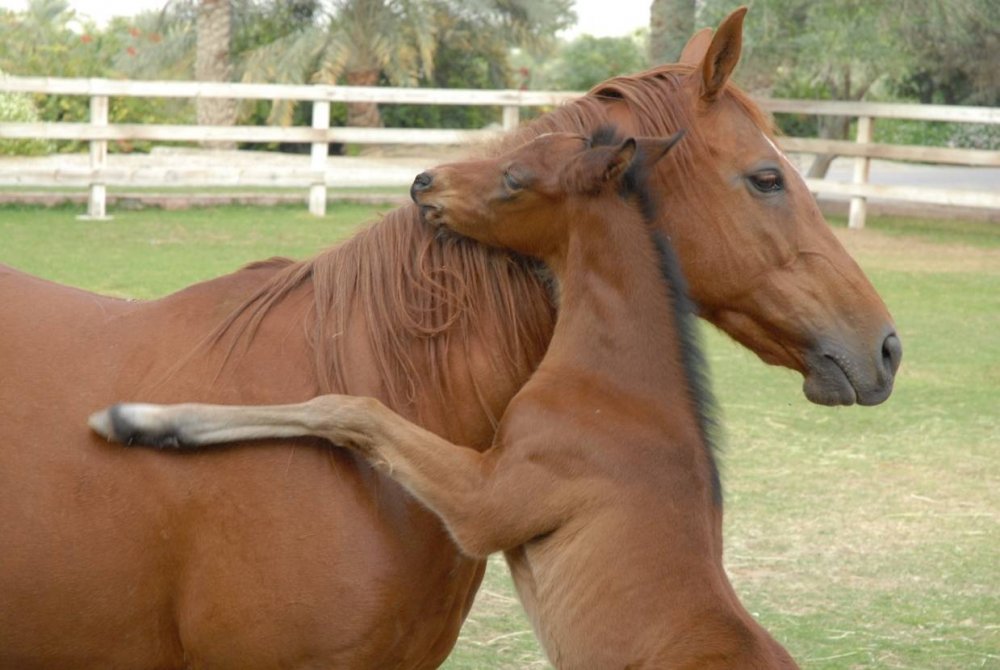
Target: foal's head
529 199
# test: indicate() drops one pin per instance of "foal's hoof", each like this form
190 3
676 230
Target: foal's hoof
134 424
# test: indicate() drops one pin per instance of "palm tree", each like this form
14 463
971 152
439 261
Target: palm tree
376 37
213 62
359 41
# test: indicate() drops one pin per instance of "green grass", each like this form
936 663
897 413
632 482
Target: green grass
147 253
957 231
861 537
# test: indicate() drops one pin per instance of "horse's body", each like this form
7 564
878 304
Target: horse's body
600 486
140 562
290 555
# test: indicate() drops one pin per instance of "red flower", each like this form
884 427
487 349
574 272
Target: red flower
134 32
86 39
131 51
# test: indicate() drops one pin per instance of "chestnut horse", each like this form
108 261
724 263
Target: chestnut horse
600 486
293 555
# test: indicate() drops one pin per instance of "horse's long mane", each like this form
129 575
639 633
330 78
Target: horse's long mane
423 294
420 294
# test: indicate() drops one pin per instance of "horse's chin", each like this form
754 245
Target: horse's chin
832 387
829 381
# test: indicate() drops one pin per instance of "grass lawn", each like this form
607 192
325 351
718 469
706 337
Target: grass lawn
861 537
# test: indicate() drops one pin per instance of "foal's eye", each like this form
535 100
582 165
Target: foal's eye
767 181
511 182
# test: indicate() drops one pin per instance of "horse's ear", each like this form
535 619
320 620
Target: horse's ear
655 148
723 54
696 48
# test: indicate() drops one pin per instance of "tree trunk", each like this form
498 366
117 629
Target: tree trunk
213 62
836 127
363 114
671 23
830 128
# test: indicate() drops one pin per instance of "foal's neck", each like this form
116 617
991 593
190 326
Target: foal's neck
616 312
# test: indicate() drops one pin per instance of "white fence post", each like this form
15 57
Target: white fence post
511 117
862 167
317 191
97 204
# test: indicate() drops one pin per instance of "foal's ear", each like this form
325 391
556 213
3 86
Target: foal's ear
696 48
599 165
723 54
655 148
620 159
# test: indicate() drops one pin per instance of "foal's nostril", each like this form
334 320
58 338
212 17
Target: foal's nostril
420 183
892 353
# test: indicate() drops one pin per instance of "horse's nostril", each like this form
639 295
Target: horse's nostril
892 353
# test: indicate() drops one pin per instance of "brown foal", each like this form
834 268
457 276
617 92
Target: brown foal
600 486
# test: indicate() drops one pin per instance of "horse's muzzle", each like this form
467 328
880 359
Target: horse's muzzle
838 377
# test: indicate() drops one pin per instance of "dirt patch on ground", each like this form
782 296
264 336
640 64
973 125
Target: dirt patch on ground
913 254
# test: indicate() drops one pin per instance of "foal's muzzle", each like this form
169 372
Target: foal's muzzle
421 183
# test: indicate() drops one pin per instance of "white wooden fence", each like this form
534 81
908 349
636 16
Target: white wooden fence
98 132
864 150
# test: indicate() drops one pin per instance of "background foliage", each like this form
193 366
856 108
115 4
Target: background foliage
20 108
931 51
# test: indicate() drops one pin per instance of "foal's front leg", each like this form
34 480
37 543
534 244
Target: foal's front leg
489 501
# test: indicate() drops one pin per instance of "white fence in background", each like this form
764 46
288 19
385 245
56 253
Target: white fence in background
864 150
99 132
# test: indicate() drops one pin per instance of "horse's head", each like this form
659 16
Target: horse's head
529 199
761 261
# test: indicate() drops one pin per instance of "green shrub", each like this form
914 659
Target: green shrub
18 107
937 134
975 136
911 131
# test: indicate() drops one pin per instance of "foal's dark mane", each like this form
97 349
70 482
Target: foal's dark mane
636 186
424 296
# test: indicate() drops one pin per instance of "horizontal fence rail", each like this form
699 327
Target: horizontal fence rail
864 150
98 132
178 133
197 89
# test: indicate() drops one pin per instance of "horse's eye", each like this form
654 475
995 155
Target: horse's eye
511 181
767 181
